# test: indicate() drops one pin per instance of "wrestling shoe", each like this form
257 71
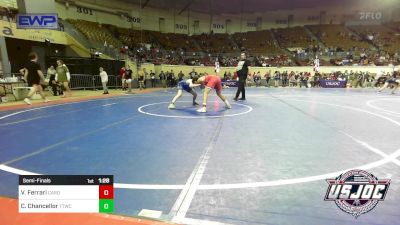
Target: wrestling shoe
227 105
202 110
27 101
171 106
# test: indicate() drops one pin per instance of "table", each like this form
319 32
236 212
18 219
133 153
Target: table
8 87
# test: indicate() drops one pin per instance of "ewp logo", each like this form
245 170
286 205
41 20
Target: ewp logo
37 21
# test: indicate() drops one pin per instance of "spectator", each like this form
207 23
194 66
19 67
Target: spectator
257 79
104 80
141 79
128 78
277 78
369 80
292 81
229 76
121 76
303 80
51 76
180 76
145 76
172 78
267 78
192 74
225 76
359 80
64 77
163 78
153 79
61 26
285 79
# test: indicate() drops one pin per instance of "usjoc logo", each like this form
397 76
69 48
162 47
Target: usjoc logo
37 21
356 192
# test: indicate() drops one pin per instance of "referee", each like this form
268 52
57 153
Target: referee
242 70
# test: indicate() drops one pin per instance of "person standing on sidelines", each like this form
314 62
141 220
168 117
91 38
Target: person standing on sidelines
141 79
153 79
51 76
104 80
34 76
128 78
242 70
63 76
121 76
163 79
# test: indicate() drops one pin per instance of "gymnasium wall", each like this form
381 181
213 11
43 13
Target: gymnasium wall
108 12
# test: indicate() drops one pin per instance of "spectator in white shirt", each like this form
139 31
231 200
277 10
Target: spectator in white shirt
104 80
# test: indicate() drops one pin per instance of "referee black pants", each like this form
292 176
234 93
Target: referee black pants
241 89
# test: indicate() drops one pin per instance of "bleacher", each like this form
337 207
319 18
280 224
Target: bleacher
257 42
273 46
294 37
385 38
338 37
215 43
175 42
95 32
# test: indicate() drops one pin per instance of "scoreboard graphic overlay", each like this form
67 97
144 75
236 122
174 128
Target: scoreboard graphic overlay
66 194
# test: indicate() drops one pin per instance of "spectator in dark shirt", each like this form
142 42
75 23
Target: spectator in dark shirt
257 79
153 78
128 78
163 79
192 74
180 76
267 78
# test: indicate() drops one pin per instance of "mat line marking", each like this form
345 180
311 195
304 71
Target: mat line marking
49 147
375 164
110 104
185 198
369 104
372 165
371 148
61 104
22 121
50 115
140 109
362 143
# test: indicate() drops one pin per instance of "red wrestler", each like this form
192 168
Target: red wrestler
210 82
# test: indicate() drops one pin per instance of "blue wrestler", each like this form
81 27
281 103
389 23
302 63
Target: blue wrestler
184 85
